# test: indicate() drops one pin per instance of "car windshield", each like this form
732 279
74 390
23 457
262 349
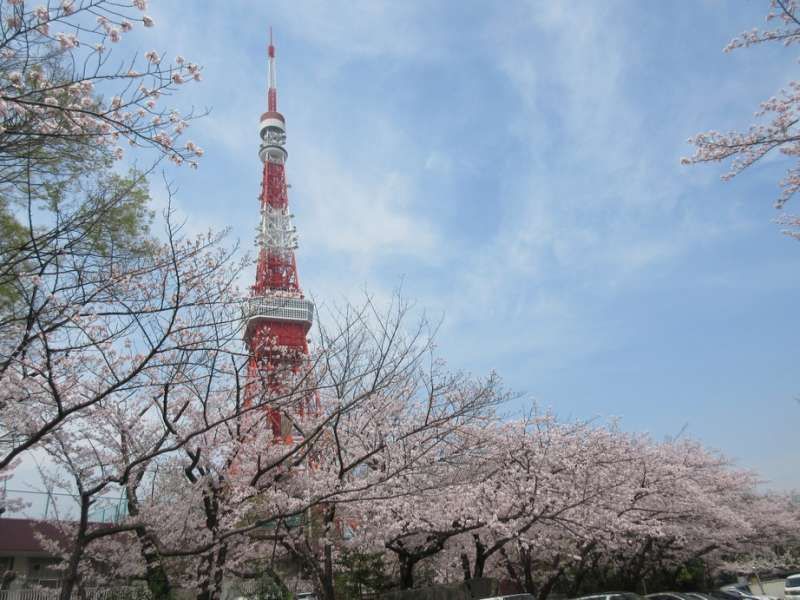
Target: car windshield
793 581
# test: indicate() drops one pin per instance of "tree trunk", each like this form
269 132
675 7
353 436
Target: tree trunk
156 576
548 585
70 578
480 556
71 573
211 574
633 575
577 580
204 575
512 572
407 564
527 570
327 589
219 571
480 564
465 566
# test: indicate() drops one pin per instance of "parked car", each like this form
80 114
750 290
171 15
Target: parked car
791 587
512 597
306 596
674 596
698 596
744 592
723 595
612 596
713 595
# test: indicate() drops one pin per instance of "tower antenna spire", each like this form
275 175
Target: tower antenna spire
272 92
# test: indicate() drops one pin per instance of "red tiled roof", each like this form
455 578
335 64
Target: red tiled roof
17 535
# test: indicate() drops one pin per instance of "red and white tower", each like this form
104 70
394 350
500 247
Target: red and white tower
277 314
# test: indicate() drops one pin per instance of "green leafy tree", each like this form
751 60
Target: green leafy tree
66 112
360 573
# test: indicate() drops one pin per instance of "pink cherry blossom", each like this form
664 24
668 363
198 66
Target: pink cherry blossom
67 41
775 127
163 138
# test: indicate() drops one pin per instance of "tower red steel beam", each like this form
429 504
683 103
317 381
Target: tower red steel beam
277 314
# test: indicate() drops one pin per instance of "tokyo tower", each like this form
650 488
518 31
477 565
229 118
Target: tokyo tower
277 315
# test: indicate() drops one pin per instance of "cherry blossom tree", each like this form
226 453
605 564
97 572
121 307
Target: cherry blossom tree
65 115
126 366
679 503
520 477
545 472
227 492
101 366
388 453
124 362
777 130
70 107
55 60
578 508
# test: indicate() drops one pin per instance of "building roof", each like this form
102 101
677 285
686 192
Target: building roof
18 536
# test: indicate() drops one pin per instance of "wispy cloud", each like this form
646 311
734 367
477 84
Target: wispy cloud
516 165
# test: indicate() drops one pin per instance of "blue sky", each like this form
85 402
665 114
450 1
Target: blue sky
516 165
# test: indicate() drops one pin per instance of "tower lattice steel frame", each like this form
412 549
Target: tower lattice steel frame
277 314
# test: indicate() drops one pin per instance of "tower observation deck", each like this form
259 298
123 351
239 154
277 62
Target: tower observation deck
277 315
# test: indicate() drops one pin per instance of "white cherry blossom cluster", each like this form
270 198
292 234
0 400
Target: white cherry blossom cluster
776 129
39 97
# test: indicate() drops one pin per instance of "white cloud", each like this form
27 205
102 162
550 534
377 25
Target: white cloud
365 216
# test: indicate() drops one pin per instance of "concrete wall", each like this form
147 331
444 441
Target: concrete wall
24 576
